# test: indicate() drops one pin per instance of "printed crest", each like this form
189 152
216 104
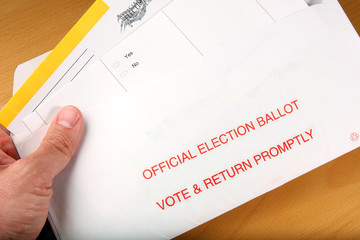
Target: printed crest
133 14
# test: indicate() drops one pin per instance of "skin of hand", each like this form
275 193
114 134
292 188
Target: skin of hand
25 184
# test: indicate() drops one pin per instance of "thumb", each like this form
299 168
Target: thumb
58 145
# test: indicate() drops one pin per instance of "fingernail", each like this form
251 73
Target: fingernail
68 117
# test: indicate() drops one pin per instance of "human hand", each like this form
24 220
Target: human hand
25 184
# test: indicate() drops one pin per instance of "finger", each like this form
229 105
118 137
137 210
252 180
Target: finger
58 145
5 159
6 143
4 129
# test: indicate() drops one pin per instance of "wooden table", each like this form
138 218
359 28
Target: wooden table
323 204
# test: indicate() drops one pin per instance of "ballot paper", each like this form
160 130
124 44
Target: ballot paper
109 22
275 9
198 141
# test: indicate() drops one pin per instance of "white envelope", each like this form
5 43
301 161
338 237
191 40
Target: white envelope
180 150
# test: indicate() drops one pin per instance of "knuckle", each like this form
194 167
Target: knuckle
60 142
42 190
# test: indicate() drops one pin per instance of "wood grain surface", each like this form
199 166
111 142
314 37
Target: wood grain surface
323 204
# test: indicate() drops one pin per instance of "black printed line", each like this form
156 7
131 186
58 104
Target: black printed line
265 10
41 118
113 76
27 126
82 67
59 80
182 33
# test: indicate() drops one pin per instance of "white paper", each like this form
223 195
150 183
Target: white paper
24 70
108 32
301 71
207 25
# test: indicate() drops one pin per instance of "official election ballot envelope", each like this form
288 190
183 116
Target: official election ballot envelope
182 149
